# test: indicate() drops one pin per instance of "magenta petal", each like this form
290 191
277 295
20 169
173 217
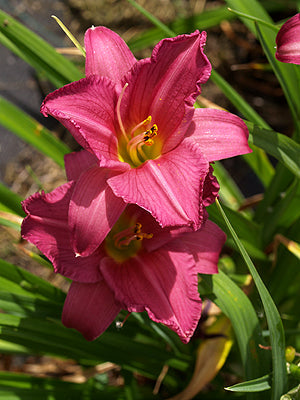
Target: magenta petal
86 109
107 54
46 226
211 188
219 134
205 244
90 308
77 162
165 85
163 283
288 41
169 188
93 211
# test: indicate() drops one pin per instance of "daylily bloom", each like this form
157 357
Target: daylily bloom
137 119
138 267
288 41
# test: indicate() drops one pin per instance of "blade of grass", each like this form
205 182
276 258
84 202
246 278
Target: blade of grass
277 145
32 132
238 308
70 35
206 19
37 52
279 382
255 385
11 201
286 73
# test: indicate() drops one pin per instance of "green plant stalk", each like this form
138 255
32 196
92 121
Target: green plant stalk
273 319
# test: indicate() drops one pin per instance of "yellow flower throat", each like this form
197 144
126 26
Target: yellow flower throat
130 146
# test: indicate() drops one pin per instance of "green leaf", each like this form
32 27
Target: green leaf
36 52
279 146
257 160
10 220
205 20
10 201
16 386
41 336
285 212
238 308
286 73
255 385
23 293
32 132
249 231
272 316
229 191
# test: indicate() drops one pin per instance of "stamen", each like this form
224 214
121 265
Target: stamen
145 122
134 146
149 134
133 233
120 324
119 113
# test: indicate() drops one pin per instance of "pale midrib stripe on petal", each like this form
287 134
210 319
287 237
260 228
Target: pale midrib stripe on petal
49 221
168 191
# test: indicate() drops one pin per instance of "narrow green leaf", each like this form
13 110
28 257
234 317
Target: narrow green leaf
151 18
32 132
37 52
10 200
229 191
70 35
287 75
51 337
255 19
273 318
249 231
205 20
238 308
255 385
286 209
277 145
257 160
29 284
10 220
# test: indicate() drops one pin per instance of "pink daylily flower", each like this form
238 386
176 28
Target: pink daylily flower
288 41
138 267
136 118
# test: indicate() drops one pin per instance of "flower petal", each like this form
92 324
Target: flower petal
77 162
169 187
205 245
288 41
93 211
107 54
211 188
46 226
163 283
166 84
90 308
219 134
86 109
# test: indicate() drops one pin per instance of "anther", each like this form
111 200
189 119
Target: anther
149 134
128 235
